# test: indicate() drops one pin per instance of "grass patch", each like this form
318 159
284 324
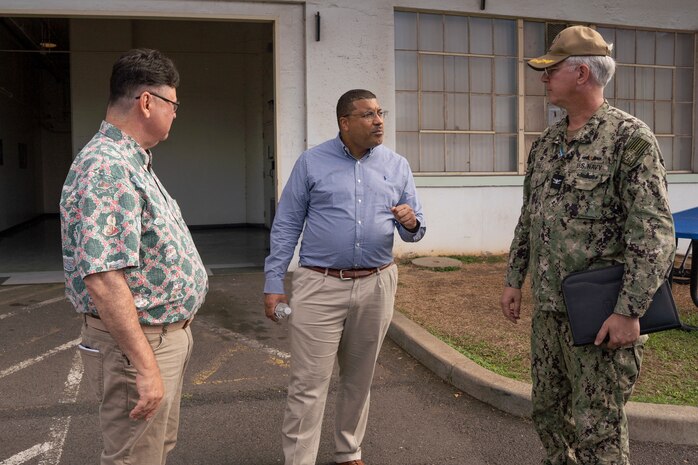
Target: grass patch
441 269
669 371
468 259
491 357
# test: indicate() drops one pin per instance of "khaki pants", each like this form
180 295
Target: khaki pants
334 318
127 441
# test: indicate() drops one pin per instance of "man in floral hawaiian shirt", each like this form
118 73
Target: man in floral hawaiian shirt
131 267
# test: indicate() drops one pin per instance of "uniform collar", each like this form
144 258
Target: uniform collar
588 131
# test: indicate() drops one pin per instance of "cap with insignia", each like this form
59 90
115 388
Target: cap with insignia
572 41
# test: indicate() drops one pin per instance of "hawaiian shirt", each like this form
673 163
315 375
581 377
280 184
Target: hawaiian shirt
116 215
598 200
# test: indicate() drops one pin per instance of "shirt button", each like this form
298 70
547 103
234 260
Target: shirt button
359 200
359 221
359 180
357 244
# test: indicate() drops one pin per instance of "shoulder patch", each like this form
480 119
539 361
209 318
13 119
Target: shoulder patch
634 149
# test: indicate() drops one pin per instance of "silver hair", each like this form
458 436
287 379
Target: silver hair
602 68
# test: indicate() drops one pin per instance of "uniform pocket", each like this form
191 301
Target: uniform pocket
92 362
590 191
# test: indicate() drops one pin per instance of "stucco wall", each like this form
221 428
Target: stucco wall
356 50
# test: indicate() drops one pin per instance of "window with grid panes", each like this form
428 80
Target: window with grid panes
456 85
456 92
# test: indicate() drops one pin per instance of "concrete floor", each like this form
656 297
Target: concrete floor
31 254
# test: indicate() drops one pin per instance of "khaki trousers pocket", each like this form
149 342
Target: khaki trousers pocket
92 361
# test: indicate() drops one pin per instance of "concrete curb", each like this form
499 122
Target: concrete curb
647 422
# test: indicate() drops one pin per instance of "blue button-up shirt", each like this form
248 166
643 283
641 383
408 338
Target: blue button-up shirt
345 206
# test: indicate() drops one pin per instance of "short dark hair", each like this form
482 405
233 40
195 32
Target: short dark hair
345 104
140 67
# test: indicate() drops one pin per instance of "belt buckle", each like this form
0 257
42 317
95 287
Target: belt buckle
341 276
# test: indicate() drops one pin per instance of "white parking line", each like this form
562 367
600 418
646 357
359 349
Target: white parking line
53 449
32 307
32 361
27 455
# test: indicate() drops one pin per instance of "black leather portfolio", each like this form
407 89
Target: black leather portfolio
591 295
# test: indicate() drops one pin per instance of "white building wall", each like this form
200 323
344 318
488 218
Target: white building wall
356 49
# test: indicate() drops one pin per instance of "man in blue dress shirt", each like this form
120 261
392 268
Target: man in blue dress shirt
346 196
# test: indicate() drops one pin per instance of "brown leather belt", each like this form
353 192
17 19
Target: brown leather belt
350 273
95 322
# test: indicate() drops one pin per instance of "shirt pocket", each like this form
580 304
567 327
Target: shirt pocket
589 194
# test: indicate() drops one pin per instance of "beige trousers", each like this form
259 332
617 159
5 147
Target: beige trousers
113 378
346 320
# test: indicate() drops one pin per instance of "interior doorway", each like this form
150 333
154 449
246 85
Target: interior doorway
218 161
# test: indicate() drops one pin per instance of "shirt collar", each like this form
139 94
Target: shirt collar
584 136
348 153
140 155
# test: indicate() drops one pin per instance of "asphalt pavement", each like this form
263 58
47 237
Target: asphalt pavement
234 395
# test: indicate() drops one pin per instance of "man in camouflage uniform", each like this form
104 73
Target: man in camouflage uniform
595 194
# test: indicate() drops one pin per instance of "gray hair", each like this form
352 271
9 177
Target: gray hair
601 68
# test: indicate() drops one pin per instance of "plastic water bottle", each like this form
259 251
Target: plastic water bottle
281 311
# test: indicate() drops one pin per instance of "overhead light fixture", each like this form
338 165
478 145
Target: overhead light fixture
46 42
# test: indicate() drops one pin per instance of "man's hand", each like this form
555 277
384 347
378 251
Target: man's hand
511 304
150 392
270 303
405 216
621 331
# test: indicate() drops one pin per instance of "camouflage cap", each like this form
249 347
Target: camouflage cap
572 41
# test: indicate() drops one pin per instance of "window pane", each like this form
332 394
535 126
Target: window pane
627 106
663 89
406 71
457 152
666 146
625 46
645 47
456 34
684 49
407 111
609 35
481 75
505 112
505 75
684 84
481 152
625 82
682 153
665 48
610 89
534 120
432 146
645 111
532 83
505 153
662 117
534 39
431 33
405 30
683 121
644 83
456 74
457 112
504 37
408 147
481 112
432 110
432 72
481 36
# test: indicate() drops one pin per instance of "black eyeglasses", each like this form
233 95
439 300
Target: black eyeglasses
175 105
370 115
